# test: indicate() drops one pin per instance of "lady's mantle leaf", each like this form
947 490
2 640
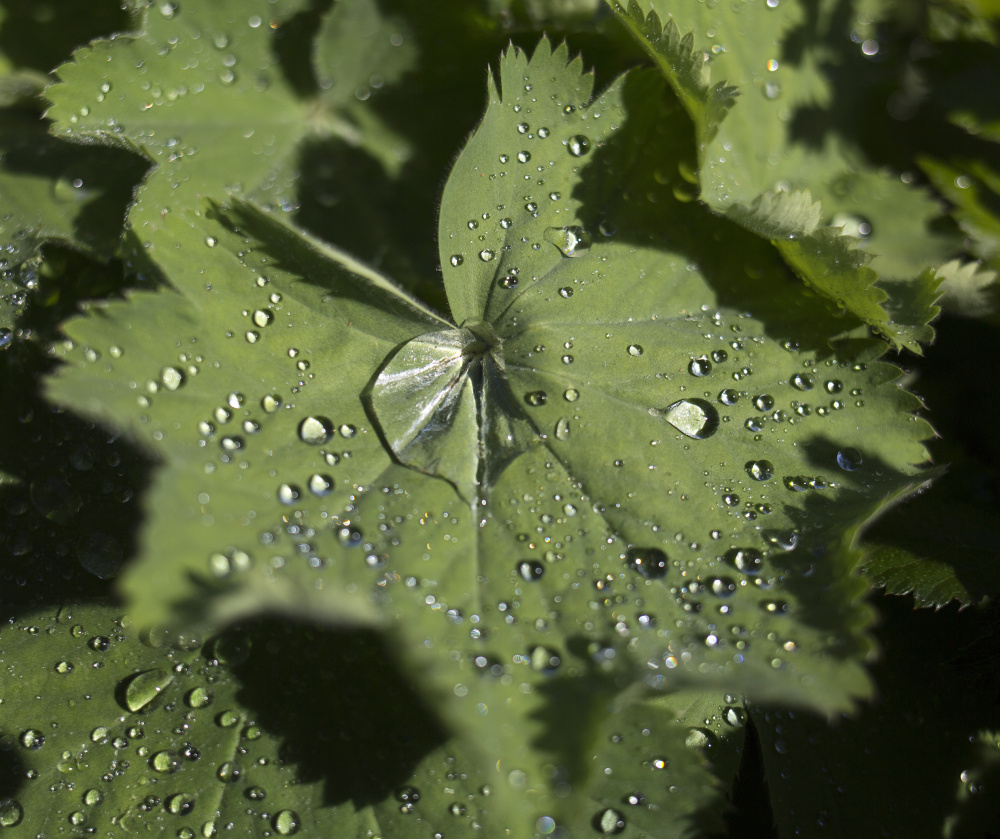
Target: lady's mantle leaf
750 160
700 457
270 729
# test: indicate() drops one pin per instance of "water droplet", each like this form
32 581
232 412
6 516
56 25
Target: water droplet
634 350
566 292
100 643
544 659
572 241
142 688
166 762
263 317
609 822
227 719
578 145
764 402
486 255
181 804
92 797
530 570
760 470
718 356
745 560
536 398
849 459
700 366
652 563
571 394
562 429
199 697
64 667
171 377
456 260
32 738
729 396
722 587
287 822
695 418
801 381
315 430
457 809
229 772
235 399
11 812
522 128
289 493
320 485
510 281
211 241
409 795
523 156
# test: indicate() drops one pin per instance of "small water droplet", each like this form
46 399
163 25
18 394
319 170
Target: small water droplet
562 430
32 739
289 493
535 398
315 430
347 431
523 156
760 470
456 260
486 255
572 241
181 804
609 822
745 560
849 459
263 317
510 281
11 812
566 292
700 366
287 822
166 762
172 378
530 570
695 418
270 403
199 697
729 396
652 563
764 402
801 381
320 485
578 145
142 688
634 350
571 394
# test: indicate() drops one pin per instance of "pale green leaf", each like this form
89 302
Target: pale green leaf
968 290
778 56
684 65
272 729
198 91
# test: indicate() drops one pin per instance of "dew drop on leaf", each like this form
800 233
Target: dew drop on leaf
530 570
651 563
572 241
263 317
456 260
729 396
32 738
764 402
745 560
315 430
287 822
700 366
760 470
180 804
801 381
634 350
578 145
695 418
535 398
849 459
142 688
289 493
320 485
171 377
11 812
571 394
609 822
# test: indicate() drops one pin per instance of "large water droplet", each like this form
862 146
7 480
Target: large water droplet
700 366
609 822
11 812
760 470
745 560
171 377
578 145
572 241
695 418
32 738
315 430
652 563
287 822
142 688
849 459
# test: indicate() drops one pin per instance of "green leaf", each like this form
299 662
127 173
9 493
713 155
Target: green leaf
684 66
198 92
753 167
974 188
976 816
730 483
53 191
858 787
276 729
968 290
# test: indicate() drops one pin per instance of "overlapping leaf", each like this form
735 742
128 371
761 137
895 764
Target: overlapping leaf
759 151
724 516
